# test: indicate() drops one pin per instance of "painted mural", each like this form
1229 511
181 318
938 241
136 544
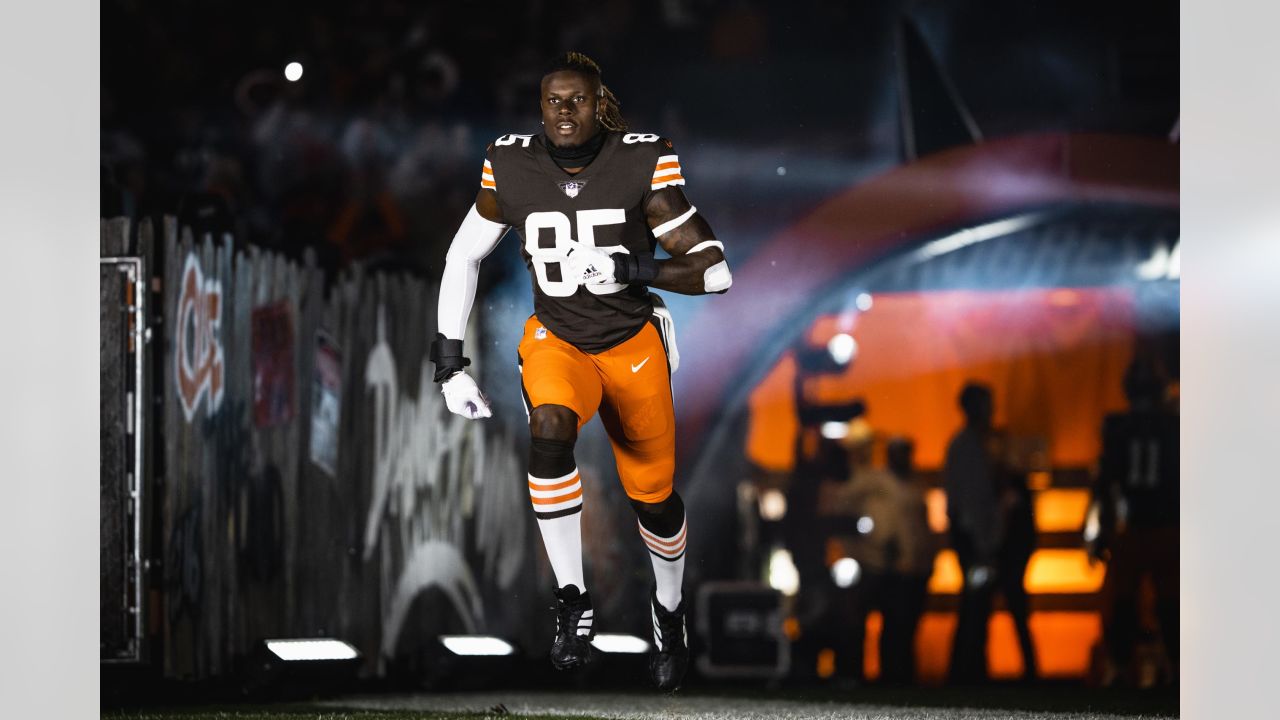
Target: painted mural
313 482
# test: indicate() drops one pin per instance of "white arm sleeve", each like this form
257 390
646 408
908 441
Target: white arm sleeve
476 238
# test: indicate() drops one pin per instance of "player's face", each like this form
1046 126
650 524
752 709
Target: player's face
569 105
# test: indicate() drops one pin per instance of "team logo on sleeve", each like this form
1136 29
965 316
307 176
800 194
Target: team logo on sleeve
572 187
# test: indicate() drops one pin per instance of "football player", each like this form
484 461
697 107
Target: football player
590 200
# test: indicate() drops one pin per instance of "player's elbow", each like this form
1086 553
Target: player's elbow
459 256
717 278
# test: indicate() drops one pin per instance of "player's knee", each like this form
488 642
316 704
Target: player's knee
663 517
550 458
553 422
646 493
648 476
671 504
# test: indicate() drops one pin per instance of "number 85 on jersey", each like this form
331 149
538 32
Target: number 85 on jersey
562 233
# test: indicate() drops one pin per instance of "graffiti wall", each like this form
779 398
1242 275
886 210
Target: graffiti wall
313 482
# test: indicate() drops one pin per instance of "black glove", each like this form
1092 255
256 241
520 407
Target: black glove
448 357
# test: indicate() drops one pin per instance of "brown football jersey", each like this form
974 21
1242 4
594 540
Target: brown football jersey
603 205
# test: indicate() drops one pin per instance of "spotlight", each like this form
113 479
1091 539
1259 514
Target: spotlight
311 649
783 575
286 667
293 72
846 572
1093 523
866 524
842 348
863 301
470 645
773 505
466 662
618 643
835 430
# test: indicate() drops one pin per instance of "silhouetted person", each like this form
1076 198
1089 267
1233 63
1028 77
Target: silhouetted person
822 609
861 515
1016 546
905 586
1137 489
972 482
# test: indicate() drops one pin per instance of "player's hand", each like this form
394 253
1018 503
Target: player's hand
464 398
589 265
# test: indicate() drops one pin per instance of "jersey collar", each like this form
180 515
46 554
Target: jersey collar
550 167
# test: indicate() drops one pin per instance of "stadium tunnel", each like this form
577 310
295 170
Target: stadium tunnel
1039 264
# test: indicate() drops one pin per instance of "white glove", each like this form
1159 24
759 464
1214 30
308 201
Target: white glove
589 265
464 398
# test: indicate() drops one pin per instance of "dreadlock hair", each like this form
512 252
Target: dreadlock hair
611 118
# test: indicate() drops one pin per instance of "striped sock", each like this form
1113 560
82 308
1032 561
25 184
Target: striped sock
667 556
557 503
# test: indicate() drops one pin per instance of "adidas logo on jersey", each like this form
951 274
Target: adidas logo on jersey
572 187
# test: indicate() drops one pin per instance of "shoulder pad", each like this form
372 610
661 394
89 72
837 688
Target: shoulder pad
513 139
666 163
646 140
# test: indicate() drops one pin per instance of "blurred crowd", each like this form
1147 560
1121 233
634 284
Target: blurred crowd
874 548
373 153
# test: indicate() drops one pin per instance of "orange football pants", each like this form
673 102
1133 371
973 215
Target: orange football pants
629 384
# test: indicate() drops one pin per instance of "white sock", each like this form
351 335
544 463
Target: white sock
557 502
667 556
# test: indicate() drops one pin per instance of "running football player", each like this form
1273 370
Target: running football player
590 200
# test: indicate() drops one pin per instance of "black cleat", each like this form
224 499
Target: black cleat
570 649
669 661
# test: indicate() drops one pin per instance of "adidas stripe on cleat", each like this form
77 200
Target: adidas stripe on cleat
670 659
574 618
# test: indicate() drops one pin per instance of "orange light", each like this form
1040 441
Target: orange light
1061 510
1050 571
935 502
871 646
834 551
1063 640
1036 348
947 579
1039 479
1063 571
791 628
826 663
